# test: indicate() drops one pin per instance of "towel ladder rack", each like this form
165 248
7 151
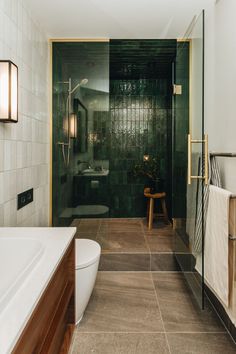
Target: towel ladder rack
232 235
233 196
223 154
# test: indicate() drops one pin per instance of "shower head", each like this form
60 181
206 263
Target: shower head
82 82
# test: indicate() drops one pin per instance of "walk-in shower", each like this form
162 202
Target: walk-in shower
121 111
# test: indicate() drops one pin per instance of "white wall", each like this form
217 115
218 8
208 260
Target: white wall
24 147
221 85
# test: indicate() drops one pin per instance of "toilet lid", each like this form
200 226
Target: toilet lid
86 252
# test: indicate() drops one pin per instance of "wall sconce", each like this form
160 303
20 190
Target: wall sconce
73 126
8 92
146 157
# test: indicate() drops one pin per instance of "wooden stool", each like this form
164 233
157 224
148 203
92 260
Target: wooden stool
150 207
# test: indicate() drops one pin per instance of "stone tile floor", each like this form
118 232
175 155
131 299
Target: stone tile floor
127 244
143 312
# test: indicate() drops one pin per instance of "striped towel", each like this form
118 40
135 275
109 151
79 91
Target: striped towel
202 201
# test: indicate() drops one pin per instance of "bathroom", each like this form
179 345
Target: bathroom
117 171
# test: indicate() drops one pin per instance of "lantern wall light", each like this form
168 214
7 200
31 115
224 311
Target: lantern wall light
8 92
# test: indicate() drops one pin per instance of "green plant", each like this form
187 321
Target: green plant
148 169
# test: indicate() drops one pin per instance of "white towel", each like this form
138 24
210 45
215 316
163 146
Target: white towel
216 243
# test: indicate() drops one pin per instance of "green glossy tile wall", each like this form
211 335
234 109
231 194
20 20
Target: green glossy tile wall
140 119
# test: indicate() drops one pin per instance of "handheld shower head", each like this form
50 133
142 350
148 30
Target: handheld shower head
82 82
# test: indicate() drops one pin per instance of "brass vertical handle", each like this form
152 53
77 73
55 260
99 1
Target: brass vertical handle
206 170
189 158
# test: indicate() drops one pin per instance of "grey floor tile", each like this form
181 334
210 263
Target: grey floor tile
89 225
160 243
201 343
122 302
159 228
121 242
164 262
119 343
87 235
125 262
121 225
180 312
75 222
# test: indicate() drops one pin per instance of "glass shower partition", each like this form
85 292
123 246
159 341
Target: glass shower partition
189 151
80 120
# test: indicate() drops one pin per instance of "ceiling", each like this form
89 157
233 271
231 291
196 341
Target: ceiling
130 19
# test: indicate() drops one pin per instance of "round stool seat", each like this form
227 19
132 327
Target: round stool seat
148 194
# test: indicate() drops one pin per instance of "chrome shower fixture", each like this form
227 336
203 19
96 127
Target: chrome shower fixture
70 90
82 82
68 115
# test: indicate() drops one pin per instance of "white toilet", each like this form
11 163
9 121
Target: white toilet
86 267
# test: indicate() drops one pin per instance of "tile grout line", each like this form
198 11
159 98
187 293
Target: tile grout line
120 332
166 337
141 271
137 252
151 332
98 231
148 247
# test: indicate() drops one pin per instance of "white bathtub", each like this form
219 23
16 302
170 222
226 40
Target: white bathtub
28 260
18 257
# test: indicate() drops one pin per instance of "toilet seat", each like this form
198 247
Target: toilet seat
87 252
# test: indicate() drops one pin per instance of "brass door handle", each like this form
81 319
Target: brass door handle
206 172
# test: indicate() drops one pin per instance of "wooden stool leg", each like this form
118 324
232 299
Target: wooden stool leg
150 221
164 209
148 206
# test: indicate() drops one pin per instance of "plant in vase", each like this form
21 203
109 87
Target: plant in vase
149 168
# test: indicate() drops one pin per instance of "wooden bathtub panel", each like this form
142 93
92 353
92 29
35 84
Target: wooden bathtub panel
54 314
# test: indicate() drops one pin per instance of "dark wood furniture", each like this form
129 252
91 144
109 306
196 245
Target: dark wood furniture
51 325
150 206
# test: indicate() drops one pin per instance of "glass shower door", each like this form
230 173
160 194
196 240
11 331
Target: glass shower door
189 151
